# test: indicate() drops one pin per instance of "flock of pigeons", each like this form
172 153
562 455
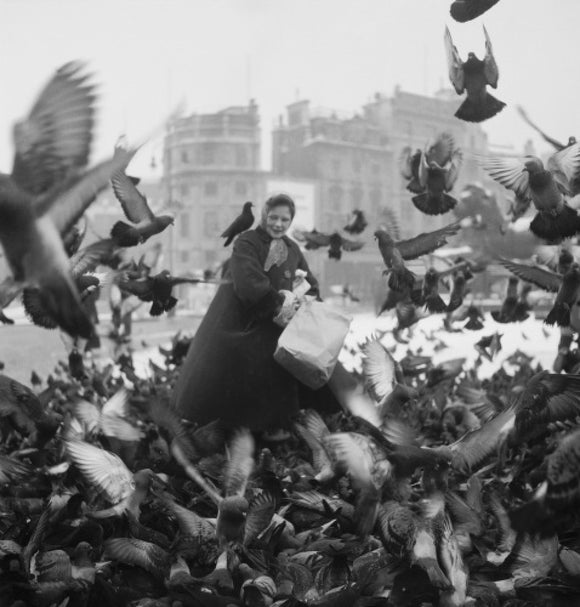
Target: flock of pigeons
432 487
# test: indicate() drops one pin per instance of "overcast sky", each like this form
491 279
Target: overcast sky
149 54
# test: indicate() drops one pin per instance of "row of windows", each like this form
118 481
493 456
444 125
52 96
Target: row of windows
210 153
357 164
211 188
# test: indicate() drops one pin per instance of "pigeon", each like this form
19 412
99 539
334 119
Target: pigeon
467 10
545 187
357 222
335 242
241 223
473 76
48 191
438 171
506 312
137 210
157 289
396 253
557 145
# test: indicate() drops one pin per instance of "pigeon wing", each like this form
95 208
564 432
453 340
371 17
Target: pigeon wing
454 64
549 281
133 202
426 242
490 68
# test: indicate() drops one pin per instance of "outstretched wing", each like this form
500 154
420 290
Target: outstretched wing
454 64
56 136
313 239
351 245
565 167
549 281
405 164
133 202
490 68
509 172
426 242
547 138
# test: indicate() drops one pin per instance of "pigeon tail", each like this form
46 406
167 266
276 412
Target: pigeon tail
125 235
435 304
229 238
431 204
62 303
553 228
480 110
335 254
474 324
559 315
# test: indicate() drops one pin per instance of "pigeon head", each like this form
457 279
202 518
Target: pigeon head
533 165
248 206
383 237
166 220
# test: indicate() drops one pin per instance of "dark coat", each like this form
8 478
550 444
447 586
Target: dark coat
230 373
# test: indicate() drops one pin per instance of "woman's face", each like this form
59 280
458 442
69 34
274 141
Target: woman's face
278 221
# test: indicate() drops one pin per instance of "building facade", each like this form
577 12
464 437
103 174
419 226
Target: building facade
355 161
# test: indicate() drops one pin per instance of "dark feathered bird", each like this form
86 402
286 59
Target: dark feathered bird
357 222
545 187
567 295
409 161
396 253
137 211
156 289
335 242
438 171
241 223
48 191
505 313
473 76
475 317
466 10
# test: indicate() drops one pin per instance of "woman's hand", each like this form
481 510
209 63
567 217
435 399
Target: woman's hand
288 308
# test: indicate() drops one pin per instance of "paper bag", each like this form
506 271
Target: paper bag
309 346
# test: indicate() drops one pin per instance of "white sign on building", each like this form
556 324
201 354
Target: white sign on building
302 192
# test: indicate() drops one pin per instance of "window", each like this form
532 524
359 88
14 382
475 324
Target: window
335 195
210 188
184 156
375 198
356 196
210 224
241 188
241 156
207 153
184 225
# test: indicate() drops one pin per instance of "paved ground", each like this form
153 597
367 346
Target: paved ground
25 347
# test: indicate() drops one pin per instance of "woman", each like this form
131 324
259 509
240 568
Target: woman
230 373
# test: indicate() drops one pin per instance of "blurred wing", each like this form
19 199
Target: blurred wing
442 150
131 551
88 414
490 68
89 258
453 169
133 202
104 470
547 138
472 449
350 457
378 368
316 239
563 402
351 245
190 523
565 166
55 138
454 64
509 172
259 516
240 463
549 281
426 242
65 210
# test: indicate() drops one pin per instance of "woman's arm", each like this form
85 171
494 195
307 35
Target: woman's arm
251 283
